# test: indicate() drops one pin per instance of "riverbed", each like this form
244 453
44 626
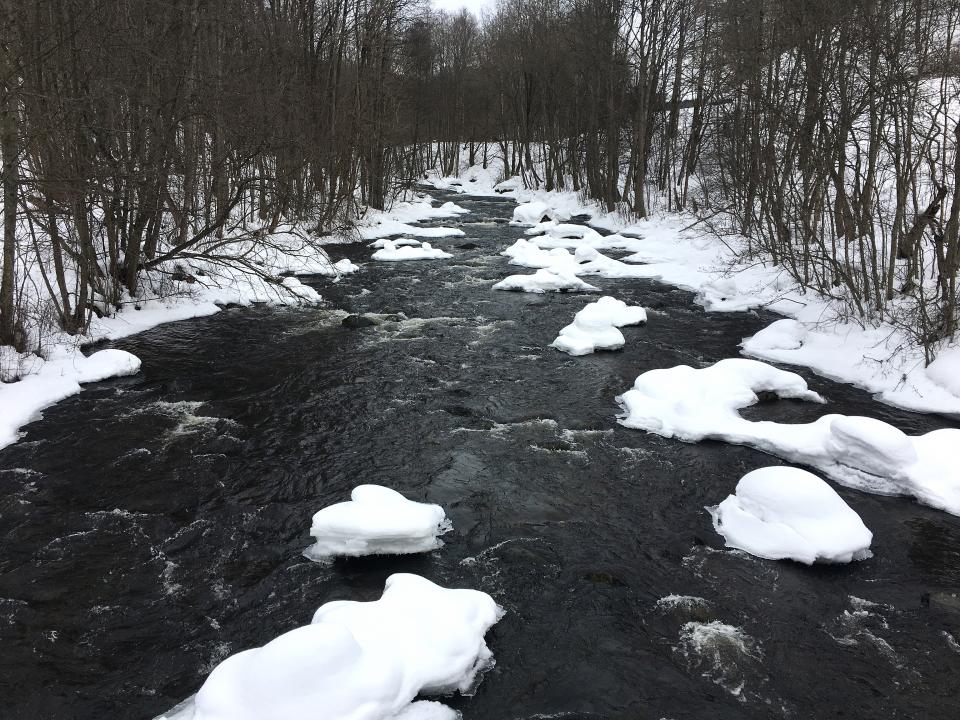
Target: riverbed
153 525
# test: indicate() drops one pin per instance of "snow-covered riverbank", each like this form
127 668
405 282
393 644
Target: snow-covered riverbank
55 366
816 333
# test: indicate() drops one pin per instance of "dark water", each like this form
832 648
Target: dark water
153 525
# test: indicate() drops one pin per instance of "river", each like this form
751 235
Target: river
153 525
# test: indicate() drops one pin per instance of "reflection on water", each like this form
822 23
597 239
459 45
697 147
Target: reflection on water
153 525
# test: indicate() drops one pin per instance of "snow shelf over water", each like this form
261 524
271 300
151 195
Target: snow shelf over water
358 660
596 327
784 513
701 404
50 380
376 521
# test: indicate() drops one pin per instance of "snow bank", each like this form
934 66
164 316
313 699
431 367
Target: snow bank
358 660
861 355
390 252
784 513
596 327
701 404
376 521
48 381
546 280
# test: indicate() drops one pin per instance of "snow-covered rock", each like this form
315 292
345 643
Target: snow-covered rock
398 242
596 327
358 660
436 633
696 404
546 280
534 212
345 266
528 254
784 513
301 291
376 521
392 253
702 404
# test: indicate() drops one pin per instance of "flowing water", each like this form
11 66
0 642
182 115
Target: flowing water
153 525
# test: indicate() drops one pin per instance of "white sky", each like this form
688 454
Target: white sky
473 6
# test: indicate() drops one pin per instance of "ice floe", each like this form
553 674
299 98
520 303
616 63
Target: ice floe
392 252
358 660
784 513
702 404
546 280
376 521
596 327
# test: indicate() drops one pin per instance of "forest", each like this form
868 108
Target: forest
138 135
583 359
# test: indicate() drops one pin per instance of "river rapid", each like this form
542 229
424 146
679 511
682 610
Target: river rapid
153 525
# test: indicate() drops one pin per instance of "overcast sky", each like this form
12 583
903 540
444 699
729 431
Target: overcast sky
471 5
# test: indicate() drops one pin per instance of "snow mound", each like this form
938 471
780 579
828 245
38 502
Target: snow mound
702 404
546 280
376 521
534 212
596 327
945 370
105 364
345 266
695 404
390 252
301 291
528 254
435 633
782 513
358 660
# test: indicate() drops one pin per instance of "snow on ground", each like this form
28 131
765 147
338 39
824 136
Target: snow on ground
843 352
546 280
702 404
596 327
358 660
666 247
782 513
376 521
390 252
